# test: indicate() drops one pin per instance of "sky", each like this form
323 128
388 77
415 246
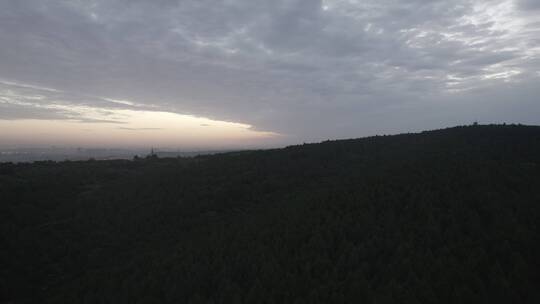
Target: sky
256 73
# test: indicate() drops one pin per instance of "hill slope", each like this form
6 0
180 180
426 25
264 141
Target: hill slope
442 216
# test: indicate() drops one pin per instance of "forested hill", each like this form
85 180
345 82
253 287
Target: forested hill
446 216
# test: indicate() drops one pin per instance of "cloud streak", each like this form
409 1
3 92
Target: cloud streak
139 129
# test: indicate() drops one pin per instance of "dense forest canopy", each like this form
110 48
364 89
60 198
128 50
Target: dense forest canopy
445 216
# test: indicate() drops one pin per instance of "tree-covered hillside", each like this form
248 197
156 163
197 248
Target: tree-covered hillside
446 216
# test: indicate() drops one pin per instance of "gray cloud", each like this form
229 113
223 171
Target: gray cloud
529 4
16 112
309 69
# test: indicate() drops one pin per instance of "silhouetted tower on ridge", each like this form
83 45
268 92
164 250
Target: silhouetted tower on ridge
152 154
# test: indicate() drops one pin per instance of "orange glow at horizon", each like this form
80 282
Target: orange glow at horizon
133 129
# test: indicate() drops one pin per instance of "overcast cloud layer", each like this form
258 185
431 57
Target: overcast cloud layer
307 69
